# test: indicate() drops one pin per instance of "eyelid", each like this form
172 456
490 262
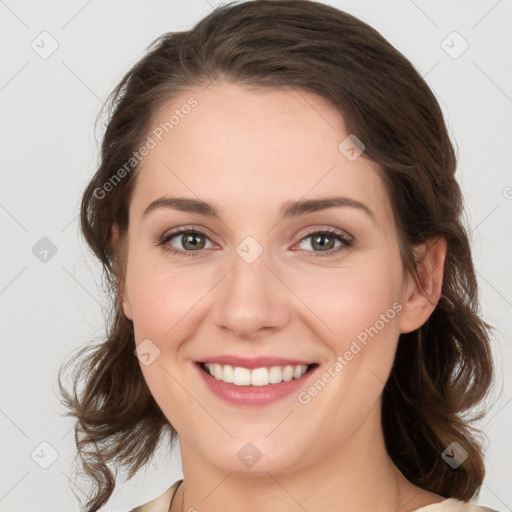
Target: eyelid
346 241
196 228
326 229
205 231
346 238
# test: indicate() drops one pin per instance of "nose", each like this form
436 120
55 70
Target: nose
251 300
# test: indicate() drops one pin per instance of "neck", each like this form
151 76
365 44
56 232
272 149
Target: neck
358 475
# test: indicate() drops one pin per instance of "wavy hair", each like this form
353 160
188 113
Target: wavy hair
442 371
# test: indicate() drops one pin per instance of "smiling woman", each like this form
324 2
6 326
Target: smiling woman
294 295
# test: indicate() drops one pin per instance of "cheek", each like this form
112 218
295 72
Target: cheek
163 301
161 296
359 306
343 301
350 299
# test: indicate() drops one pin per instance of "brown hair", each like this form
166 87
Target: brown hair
441 370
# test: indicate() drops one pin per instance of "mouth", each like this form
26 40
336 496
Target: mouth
255 377
256 380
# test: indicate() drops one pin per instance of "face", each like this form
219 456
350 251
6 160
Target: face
255 286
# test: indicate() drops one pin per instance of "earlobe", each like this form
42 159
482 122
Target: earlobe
114 235
127 310
424 289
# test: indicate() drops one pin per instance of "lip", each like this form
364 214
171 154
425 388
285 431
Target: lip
253 396
254 362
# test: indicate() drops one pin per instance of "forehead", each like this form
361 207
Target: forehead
255 148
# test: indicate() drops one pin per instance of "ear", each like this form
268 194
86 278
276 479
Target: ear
115 241
422 291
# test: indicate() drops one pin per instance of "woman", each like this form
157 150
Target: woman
295 299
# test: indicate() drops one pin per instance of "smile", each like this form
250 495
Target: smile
256 386
240 376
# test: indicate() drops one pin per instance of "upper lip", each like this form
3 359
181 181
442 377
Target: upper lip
254 362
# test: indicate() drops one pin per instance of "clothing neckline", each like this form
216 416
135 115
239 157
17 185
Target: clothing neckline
432 506
426 508
179 482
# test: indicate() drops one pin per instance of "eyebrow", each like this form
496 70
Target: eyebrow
287 210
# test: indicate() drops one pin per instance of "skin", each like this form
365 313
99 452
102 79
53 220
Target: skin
248 151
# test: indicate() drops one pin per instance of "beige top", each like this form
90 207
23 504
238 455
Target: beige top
163 504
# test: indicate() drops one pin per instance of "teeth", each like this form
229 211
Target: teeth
240 376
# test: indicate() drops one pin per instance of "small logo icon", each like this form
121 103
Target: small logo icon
249 455
44 455
44 45
454 45
454 455
44 250
249 249
146 352
351 147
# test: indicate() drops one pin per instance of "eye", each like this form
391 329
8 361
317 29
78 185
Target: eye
191 241
325 241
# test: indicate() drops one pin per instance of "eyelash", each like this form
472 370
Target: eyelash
346 241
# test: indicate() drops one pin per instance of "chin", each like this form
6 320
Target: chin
256 456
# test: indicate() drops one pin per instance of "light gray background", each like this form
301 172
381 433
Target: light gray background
49 151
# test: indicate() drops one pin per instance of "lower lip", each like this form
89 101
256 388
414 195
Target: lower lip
253 396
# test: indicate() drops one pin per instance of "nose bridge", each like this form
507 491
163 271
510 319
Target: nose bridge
250 297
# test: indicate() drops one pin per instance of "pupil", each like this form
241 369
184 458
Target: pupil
323 237
189 239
